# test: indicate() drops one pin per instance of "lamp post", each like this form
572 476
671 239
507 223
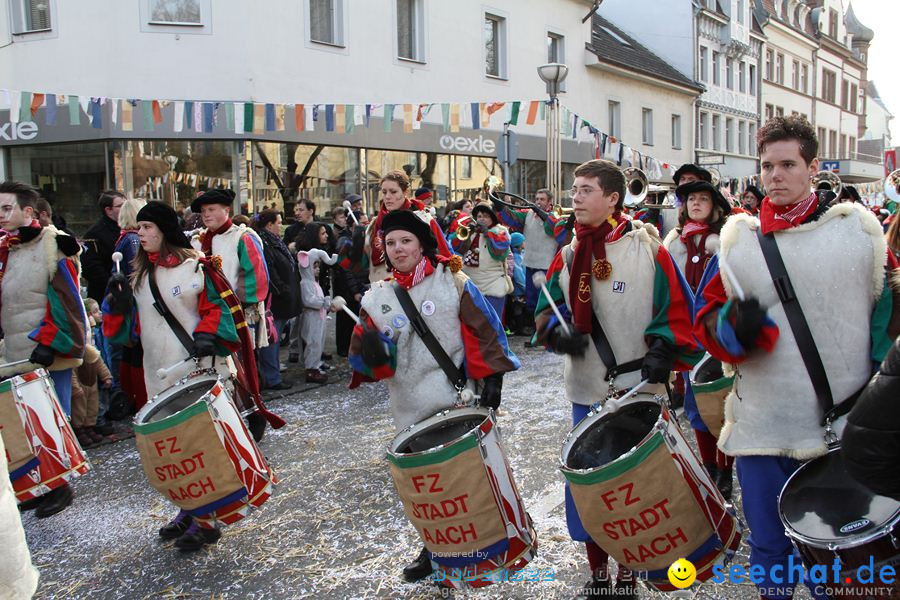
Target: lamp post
172 160
553 74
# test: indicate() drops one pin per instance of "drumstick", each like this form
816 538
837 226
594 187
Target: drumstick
540 280
163 373
15 363
117 258
347 206
729 274
613 404
339 302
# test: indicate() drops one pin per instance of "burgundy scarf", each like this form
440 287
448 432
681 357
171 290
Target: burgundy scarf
11 240
591 245
206 238
697 257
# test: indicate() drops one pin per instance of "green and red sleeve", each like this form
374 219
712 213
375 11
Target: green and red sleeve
215 318
253 282
544 317
512 218
362 372
497 240
64 325
484 338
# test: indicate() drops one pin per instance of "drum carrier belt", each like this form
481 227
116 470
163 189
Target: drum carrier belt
456 375
186 340
802 334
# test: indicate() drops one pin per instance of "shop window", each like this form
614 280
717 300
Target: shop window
176 16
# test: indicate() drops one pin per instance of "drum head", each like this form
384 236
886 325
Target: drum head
440 431
177 401
613 435
822 504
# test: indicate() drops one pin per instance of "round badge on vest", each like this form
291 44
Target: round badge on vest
695 259
399 321
428 308
388 332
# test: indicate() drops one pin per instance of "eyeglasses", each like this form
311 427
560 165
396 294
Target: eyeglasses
582 191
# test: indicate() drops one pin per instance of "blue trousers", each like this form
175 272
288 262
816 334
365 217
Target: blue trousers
762 479
532 293
498 303
576 530
62 381
268 359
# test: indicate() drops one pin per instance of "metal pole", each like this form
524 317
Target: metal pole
505 164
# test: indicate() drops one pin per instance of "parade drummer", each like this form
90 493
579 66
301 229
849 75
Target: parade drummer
194 291
484 249
835 257
41 312
385 347
394 189
692 243
614 278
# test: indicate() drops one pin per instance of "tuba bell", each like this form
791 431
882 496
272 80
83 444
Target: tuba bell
464 228
826 181
636 186
491 184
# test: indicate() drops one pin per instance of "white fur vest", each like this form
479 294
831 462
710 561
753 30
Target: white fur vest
540 248
180 288
490 276
32 266
624 307
836 265
419 388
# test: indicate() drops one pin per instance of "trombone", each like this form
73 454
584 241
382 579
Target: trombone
826 181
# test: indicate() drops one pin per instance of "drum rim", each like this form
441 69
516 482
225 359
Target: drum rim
156 400
720 386
638 397
823 544
487 413
10 381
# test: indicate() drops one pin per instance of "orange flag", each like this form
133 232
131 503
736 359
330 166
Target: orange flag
532 112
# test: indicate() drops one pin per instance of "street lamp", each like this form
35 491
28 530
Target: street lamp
553 74
172 160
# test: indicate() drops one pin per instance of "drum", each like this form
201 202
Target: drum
43 451
831 517
711 387
642 494
457 489
197 452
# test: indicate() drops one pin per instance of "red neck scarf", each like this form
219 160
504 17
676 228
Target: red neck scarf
697 257
11 240
378 236
591 245
419 272
171 260
206 238
773 217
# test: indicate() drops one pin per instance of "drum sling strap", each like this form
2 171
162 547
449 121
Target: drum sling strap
805 341
456 375
186 340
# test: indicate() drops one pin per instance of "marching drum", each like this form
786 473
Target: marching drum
43 451
830 516
641 493
711 386
197 452
456 487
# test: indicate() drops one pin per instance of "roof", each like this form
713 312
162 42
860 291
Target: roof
614 46
765 9
872 94
860 32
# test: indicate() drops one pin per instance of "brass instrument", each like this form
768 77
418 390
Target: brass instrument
826 181
465 231
492 184
891 185
715 176
636 186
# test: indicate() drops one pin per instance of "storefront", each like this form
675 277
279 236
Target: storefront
72 163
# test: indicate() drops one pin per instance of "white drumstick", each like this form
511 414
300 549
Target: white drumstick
15 363
342 304
117 258
163 373
349 210
540 280
729 274
613 404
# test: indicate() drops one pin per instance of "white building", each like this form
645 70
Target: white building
206 59
877 137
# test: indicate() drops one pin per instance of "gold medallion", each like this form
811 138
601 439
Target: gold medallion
601 269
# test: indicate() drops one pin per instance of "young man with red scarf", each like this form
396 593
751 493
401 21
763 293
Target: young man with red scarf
41 313
617 275
836 257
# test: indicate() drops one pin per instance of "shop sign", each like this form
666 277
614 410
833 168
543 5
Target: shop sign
461 143
23 130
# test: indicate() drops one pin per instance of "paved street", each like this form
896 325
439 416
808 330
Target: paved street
334 527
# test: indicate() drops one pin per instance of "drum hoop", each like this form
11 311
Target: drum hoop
155 402
488 414
639 397
846 543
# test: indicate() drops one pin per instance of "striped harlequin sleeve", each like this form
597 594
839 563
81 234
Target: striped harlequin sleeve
216 319
253 282
512 218
498 242
64 325
544 317
363 372
486 347
673 311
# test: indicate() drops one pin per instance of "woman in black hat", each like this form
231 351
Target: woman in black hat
752 199
166 255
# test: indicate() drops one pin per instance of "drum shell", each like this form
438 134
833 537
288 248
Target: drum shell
654 503
197 452
460 487
709 397
44 451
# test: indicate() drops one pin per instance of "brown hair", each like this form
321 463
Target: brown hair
24 193
893 235
141 263
399 177
265 218
608 175
797 128
715 220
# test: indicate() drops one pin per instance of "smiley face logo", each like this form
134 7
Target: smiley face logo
682 573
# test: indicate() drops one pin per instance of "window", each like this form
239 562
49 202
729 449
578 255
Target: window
555 48
615 119
716 66
852 147
752 77
779 68
832 142
845 91
843 153
804 79
676 132
716 125
832 23
829 83
779 111
822 134
729 73
770 111
770 58
410 30
466 167
326 22
647 126
740 11
795 75
742 137
854 93
494 46
31 15
175 12
752 148
704 59
704 130
729 135
742 73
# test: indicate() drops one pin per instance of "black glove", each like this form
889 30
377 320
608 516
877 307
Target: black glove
749 320
541 213
373 351
490 392
204 344
658 361
573 343
119 294
42 355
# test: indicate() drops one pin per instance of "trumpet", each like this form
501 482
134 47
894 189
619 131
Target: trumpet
465 230
826 181
636 186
